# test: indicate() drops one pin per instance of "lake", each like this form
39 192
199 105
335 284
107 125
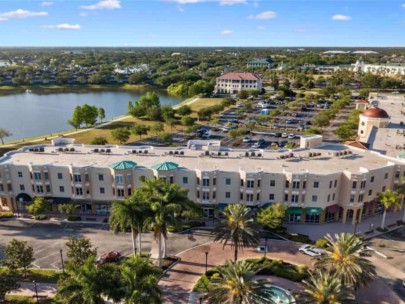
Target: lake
34 114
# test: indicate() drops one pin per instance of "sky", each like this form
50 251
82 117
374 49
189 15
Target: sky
202 23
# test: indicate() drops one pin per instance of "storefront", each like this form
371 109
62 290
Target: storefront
313 215
294 214
331 213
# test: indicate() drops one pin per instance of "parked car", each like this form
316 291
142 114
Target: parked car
247 140
277 134
259 143
310 250
109 257
284 135
291 136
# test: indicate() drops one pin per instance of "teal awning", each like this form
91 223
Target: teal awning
123 165
294 210
314 211
166 166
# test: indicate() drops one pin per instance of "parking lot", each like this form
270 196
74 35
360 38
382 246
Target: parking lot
47 238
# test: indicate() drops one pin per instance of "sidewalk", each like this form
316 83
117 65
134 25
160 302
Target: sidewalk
316 231
28 289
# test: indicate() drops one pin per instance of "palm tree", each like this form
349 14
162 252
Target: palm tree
140 281
325 288
131 213
235 285
238 227
343 258
388 199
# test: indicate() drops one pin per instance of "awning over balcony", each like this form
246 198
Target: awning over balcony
294 210
314 211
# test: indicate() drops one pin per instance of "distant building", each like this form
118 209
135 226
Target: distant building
384 69
261 63
232 83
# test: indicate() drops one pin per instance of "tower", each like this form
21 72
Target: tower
373 117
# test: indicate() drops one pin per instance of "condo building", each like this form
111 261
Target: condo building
318 182
232 83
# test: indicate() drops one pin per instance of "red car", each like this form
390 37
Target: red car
109 257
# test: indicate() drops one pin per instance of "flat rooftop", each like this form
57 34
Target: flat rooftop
269 161
389 140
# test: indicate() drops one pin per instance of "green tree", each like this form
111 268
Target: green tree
165 137
69 208
79 250
205 113
121 135
371 81
157 127
236 284
237 227
154 113
130 213
344 261
138 77
345 132
39 207
4 133
8 282
89 114
101 113
187 121
171 123
19 255
99 140
324 288
388 199
140 130
140 281
77 118
272 216
363 93
184 110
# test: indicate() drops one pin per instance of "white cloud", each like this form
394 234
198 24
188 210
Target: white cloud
21 14
261 28
103 4
180 8
64 26
221 2
227 33
341 18
83 14
403 6
264 15
2 19
46 3
189 1
231 2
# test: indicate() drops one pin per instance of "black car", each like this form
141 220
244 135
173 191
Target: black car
277 134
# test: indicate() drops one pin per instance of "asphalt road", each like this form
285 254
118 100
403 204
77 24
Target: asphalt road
47 238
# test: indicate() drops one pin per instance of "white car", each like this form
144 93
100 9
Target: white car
284 135
310 250
247 140
291 136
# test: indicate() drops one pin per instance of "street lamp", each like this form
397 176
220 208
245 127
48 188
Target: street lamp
61 259
265 247
36 291
201 300
206 261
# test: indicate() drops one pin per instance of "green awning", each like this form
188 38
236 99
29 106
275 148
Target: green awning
166 166
123 165
294 210
314 211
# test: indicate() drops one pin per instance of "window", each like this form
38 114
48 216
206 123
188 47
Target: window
351 198
258 183
119 180
102 190
78 178
46 175
40 189
214 181
328 198
227 194
171 179
198 180
271 196
296 184
286 197
287 184
363 184
129 179
333 196
258 196
272 183
354 185
249 197
304 184
185 180
129 191
48 188
206 195
20 174
214 195
79 191
37 175
386 176
60 176
120 193
314 198
22 188
198 194
370 192
10 188
316 184
397 174
206 182
241 196
86 177
335 185
372 179
61 189
383 189
294 198
227 181
360 198
250 183
101 177
241 182
330 184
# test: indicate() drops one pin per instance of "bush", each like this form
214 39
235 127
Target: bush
6 214
40 217
321 243
301 238
302 269
202 284
289 274
74 218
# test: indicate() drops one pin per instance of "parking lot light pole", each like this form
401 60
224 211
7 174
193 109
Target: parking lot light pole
36 290
61 259
206 261
355 226
265 247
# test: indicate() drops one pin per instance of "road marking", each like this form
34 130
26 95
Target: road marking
35 265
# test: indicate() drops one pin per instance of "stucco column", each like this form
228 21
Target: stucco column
322 217
344 215
361 213
303 215
355 212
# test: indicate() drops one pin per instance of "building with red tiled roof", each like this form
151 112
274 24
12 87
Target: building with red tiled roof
232 83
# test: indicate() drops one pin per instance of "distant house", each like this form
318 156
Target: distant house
232 83
260 63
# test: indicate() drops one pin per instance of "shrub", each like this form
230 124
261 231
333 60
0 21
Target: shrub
74 218
202 284
6 214
302 269
289 273
321 243
301 238
40 217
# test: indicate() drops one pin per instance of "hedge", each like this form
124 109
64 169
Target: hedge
6 214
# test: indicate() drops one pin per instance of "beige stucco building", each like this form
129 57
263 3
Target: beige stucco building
232 83
318 183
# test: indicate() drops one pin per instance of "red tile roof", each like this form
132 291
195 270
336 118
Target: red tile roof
240 76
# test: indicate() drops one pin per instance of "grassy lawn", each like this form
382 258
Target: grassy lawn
27 300
204 102
40 275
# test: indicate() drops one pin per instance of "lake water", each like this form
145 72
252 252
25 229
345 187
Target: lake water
32 114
